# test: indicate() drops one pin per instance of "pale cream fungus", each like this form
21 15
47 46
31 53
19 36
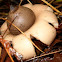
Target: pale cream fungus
43 29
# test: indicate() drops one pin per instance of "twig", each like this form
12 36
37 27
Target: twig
51 6
59 6
3 55
1 41
20 2
23 34
51 1
59 1
44 55
57 13
8 27
12 51
29 2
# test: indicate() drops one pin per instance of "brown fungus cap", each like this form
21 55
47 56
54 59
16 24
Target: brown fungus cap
22 17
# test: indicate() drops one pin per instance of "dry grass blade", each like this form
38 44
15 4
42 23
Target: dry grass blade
51 1
51 6
57 13
29 2
50 53
59 6
20 2
24 35
45 55
7 28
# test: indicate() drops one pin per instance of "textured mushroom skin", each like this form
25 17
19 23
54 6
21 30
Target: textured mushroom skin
22 17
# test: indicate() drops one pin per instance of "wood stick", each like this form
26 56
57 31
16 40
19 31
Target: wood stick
20 2
57 13
2 42
51 1
59 6
45 55
3 55
29 2
51 6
